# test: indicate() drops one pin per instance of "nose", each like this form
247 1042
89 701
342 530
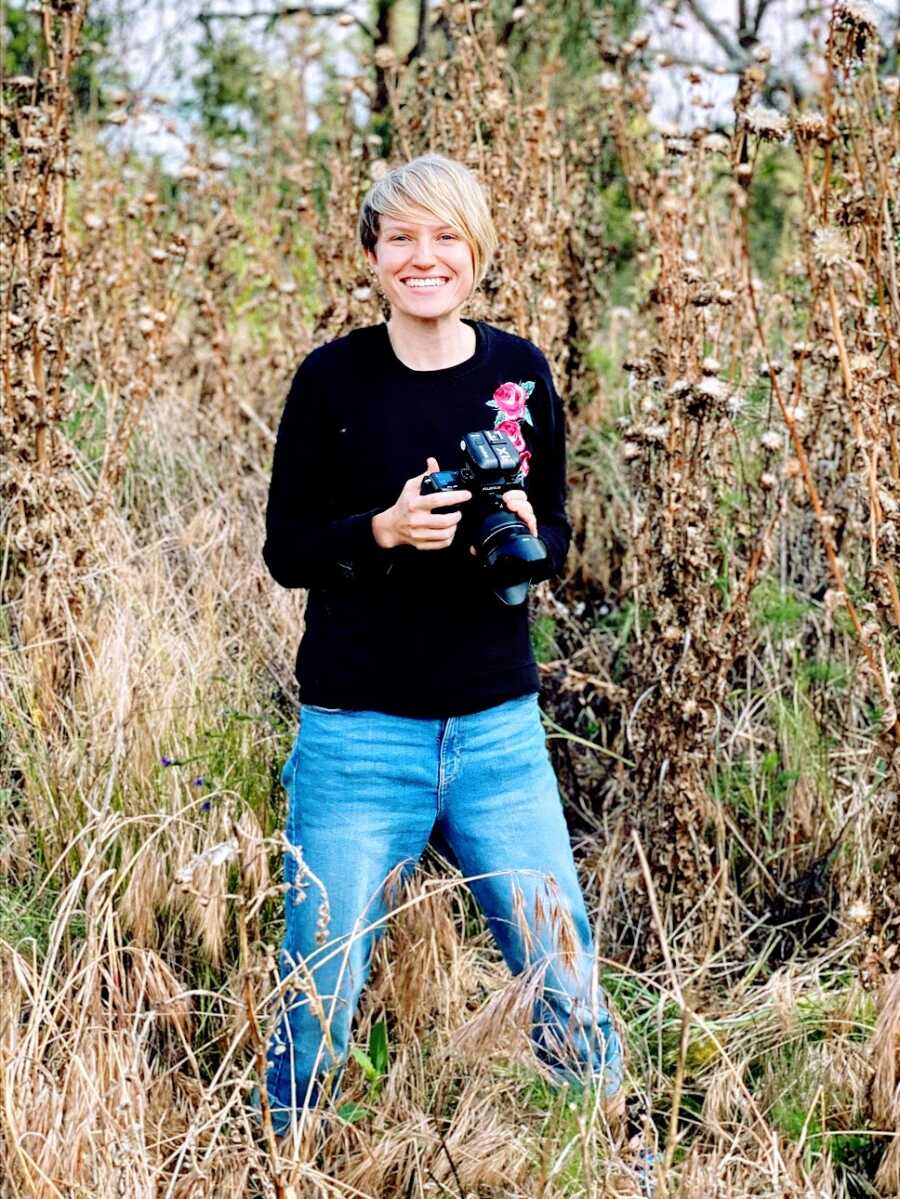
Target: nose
424 251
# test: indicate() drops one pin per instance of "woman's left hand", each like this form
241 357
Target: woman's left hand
517 501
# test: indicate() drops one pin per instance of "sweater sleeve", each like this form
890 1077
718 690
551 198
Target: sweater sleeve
546 483
303 547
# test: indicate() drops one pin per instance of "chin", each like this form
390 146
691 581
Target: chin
428 311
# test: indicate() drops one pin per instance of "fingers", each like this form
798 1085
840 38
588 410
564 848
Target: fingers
435 520
432 466
433 539
441 499
517 502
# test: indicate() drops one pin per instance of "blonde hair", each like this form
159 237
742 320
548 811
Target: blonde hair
443 187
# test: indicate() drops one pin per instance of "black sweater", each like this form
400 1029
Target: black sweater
407 631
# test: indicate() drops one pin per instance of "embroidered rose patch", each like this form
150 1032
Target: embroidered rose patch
510 402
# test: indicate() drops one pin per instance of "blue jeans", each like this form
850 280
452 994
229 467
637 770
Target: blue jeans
366 791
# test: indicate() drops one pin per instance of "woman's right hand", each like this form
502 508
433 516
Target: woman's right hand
416 519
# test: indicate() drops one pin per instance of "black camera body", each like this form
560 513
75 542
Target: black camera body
509 554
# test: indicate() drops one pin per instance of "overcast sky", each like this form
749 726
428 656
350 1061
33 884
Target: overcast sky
153 37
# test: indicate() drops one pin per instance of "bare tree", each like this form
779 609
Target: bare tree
736 40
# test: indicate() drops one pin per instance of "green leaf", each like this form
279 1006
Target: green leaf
528 387
352 1112
378 1047
363 1059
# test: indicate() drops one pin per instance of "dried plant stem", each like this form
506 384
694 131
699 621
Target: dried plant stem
810 485
247 990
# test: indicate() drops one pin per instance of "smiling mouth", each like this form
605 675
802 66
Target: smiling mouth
434 284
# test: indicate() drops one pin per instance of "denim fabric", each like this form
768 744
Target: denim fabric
366 791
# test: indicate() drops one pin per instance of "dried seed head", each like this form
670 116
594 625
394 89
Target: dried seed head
718 143
677 146
771 440
830 248
768 481
811 127
767 123
713 389
710 366
863 366
656 433
858 20
608 83
853 208
384 56
638 366
735 403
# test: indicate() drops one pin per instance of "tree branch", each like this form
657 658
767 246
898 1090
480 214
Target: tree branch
422 32
776 81
276 14
713 29
760 13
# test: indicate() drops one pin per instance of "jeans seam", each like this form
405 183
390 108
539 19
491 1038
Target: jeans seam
442 740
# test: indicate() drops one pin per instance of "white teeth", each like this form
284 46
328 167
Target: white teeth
420 283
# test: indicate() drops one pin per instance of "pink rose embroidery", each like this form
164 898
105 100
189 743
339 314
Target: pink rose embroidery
510 401
514 430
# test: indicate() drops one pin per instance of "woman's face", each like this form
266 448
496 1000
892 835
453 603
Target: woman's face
422 249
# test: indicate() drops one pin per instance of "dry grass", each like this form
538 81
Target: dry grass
720 664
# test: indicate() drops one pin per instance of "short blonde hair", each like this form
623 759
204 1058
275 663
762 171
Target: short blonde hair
445 188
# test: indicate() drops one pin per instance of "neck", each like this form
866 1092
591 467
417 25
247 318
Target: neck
431 344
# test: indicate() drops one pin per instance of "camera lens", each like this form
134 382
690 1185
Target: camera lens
512 557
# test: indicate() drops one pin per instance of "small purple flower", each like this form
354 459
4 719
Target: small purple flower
166 761
198 781
205 806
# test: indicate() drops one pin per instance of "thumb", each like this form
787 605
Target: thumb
432 466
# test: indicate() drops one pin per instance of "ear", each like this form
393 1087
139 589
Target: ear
370 257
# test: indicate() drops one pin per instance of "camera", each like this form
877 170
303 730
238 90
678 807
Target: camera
510 555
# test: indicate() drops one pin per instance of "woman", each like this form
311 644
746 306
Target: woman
418 687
